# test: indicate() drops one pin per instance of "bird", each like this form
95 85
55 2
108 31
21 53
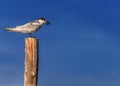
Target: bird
29 27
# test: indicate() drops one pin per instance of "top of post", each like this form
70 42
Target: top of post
31 38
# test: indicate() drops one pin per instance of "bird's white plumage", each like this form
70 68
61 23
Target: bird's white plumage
28 27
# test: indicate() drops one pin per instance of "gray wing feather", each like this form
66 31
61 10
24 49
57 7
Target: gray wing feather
29 25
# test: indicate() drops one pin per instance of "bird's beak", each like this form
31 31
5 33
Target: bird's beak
47 23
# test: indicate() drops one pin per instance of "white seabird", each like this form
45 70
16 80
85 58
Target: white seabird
30 27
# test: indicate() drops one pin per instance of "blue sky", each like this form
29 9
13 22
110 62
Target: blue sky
80 47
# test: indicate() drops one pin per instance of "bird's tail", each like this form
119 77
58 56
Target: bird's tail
11 30
7 29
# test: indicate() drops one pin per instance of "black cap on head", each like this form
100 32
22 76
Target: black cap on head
42 18
47 22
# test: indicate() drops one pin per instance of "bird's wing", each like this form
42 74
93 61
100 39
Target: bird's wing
30 24
25 25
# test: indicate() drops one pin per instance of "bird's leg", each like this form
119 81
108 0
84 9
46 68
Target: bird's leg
30 34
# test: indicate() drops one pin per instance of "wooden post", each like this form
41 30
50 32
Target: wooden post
31 62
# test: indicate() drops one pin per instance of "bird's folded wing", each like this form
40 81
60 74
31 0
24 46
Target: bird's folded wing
25 25
30 24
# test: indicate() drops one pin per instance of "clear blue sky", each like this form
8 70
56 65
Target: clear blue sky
80 48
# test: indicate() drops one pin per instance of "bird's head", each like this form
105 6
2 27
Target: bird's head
44 21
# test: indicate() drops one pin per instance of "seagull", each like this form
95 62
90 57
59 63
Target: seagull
30 27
